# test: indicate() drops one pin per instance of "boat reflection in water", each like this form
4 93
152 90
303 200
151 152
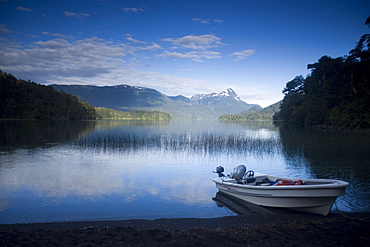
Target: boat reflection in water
306 195
241 207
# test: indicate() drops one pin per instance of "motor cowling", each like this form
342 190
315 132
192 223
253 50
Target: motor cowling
239 172
220 171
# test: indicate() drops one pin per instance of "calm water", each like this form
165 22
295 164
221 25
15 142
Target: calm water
95 170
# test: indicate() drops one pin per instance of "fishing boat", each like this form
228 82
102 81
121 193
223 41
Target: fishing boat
306 195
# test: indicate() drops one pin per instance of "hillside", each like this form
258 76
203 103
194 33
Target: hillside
106 113
20 99
131 98
255 113
336 94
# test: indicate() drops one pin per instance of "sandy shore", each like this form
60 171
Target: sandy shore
291 229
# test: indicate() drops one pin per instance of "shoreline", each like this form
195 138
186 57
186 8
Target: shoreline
288 229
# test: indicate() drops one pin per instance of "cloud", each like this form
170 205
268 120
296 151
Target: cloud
78 15
199 20
206 21
186 69
57 35
218 20
133 10
104 2
194 55
169 85
3 29
105 181
197 42
60 59
135 40
154 46
53 44
264 98
20 8
239 55
93 61
189 55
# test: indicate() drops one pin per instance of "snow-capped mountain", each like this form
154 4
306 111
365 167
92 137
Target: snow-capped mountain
211 97
130 98
226 101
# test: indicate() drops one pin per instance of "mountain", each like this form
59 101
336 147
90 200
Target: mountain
21 99
115 97
130 98
213 97
226 101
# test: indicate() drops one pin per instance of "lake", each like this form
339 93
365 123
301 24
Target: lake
109 170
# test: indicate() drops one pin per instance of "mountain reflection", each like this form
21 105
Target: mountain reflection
58 171
269 125
123 140
32 134
108 124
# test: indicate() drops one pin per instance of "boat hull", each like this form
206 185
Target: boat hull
317 198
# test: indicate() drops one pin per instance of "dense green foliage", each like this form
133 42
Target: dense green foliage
106 113
28 100
336 93
255 113
20 99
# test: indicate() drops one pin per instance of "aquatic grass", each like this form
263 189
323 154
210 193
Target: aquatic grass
203 142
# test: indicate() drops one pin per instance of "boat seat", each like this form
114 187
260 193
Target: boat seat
249 180
265 181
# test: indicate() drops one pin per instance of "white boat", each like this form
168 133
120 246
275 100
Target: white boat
307 195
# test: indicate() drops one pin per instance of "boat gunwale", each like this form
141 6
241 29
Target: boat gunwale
244 193
332 184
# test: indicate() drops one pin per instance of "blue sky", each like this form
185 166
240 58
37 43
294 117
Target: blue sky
177 47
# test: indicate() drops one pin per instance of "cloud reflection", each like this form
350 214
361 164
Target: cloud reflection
128 169
59 173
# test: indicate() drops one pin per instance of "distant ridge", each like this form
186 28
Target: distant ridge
130 98
21 99
254 113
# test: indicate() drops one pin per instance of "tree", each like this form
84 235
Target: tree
294 86
337 91
20 99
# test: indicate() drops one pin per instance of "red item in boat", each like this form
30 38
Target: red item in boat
289 182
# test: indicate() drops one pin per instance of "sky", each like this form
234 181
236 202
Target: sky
177 47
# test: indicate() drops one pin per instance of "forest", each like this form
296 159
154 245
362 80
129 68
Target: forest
106 113
21 99
336 94
255 113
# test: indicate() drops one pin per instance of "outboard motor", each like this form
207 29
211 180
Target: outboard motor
220 171
239 173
